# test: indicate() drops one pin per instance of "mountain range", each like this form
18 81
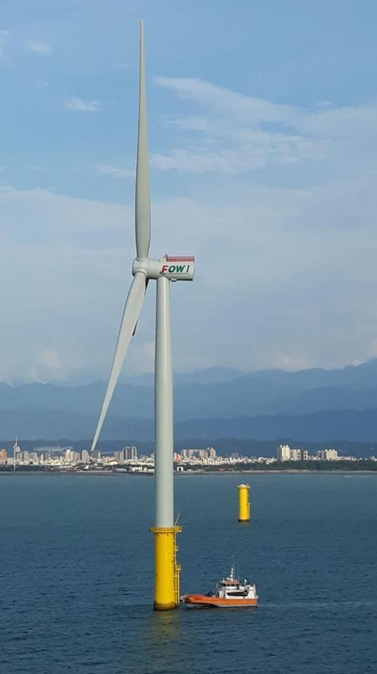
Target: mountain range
309 405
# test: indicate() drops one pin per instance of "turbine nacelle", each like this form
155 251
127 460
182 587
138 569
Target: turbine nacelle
174 268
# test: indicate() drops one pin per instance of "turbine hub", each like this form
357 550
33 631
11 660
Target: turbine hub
173 267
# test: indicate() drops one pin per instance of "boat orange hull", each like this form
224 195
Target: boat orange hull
203 600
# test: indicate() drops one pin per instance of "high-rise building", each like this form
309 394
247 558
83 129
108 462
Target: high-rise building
332 455
284 453
130 453
119 456
68 455
3 456
85 456
16 452
296 455
328 455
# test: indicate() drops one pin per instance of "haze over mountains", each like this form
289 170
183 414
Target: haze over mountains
311 405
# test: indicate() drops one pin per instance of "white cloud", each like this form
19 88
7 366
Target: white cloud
49 215
4 35
280 274
254 154
51 360
40 48
285 277
81 105
237 133
336 123
253 110
115 171
232 133
61 258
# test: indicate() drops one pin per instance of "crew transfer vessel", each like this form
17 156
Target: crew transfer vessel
230 592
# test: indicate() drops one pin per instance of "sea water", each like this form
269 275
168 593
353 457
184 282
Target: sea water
76 565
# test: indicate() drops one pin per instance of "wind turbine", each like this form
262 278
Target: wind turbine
163 271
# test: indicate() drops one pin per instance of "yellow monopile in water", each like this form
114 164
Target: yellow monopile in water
167 570
243 503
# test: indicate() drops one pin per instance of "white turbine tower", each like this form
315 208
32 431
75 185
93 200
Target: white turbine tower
163 271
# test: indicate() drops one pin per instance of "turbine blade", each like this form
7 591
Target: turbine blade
142 197
131 313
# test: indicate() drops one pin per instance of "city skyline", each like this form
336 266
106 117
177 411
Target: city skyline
129 460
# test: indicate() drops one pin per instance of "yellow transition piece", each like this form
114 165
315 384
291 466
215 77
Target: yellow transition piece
166 575
243 503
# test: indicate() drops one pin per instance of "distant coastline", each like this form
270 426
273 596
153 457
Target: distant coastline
190 473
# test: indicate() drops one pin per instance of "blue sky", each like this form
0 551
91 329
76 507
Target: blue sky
263 140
